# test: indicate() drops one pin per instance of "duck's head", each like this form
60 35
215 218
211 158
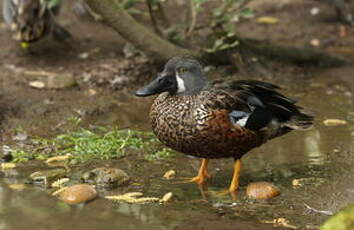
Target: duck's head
30 20
182 75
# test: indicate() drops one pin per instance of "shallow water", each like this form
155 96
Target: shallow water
325 155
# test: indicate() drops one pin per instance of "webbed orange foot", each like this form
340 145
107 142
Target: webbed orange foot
202 176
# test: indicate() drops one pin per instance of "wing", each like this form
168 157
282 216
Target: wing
254 104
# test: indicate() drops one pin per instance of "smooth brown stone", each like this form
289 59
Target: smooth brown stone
79 193
262 190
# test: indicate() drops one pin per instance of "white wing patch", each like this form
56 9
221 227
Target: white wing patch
239 117
180 84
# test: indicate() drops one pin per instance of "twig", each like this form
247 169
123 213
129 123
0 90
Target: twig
39 73
152 18
325 212
194 18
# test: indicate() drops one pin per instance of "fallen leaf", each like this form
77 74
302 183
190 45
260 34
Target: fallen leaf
59 183
132 198
37 84
280 222
170 174
167 197
57 192
267 20
334 122
8 165
17 186
58 158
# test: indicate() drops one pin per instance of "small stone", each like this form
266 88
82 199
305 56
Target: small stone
170 174
314 11
60 81
262 190
84 55
106 177
315 42
79 193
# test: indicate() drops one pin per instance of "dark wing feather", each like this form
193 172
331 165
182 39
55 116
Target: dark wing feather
263 101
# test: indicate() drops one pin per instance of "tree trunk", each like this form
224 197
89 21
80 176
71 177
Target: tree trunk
155 47
161 50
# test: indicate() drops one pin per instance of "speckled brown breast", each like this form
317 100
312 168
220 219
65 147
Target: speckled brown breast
191 126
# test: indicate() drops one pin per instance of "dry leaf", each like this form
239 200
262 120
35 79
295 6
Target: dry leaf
167 197
334 122
59 183
37 84
170 174
17 186
59 191
280 222
8 165
267 20
58 158
133 198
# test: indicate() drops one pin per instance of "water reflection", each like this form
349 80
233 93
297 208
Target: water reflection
312 147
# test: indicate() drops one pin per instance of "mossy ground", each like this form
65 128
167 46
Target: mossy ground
97 143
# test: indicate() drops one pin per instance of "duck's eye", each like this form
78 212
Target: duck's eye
182 70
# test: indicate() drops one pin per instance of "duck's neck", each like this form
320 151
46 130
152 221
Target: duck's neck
192 87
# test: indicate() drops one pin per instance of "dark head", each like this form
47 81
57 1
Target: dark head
30 22
182 75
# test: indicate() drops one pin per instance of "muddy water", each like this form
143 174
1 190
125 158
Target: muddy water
323 156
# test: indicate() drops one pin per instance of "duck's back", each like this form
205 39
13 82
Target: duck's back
226 119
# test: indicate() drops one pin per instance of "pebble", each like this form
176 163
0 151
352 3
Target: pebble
79 193
262 190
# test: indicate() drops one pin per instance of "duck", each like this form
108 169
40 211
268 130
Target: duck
220 118
32 20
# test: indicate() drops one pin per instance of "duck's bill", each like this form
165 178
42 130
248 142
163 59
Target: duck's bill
159 85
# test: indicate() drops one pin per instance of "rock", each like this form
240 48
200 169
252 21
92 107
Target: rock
106 177
60 81
78 193
262 190
343 220
46 177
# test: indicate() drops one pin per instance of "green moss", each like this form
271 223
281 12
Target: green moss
343 220
99 144
165 153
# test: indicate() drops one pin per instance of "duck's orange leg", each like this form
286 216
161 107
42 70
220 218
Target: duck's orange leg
235 176
202 176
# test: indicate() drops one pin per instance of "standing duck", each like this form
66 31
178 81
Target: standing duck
218 119
31 20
